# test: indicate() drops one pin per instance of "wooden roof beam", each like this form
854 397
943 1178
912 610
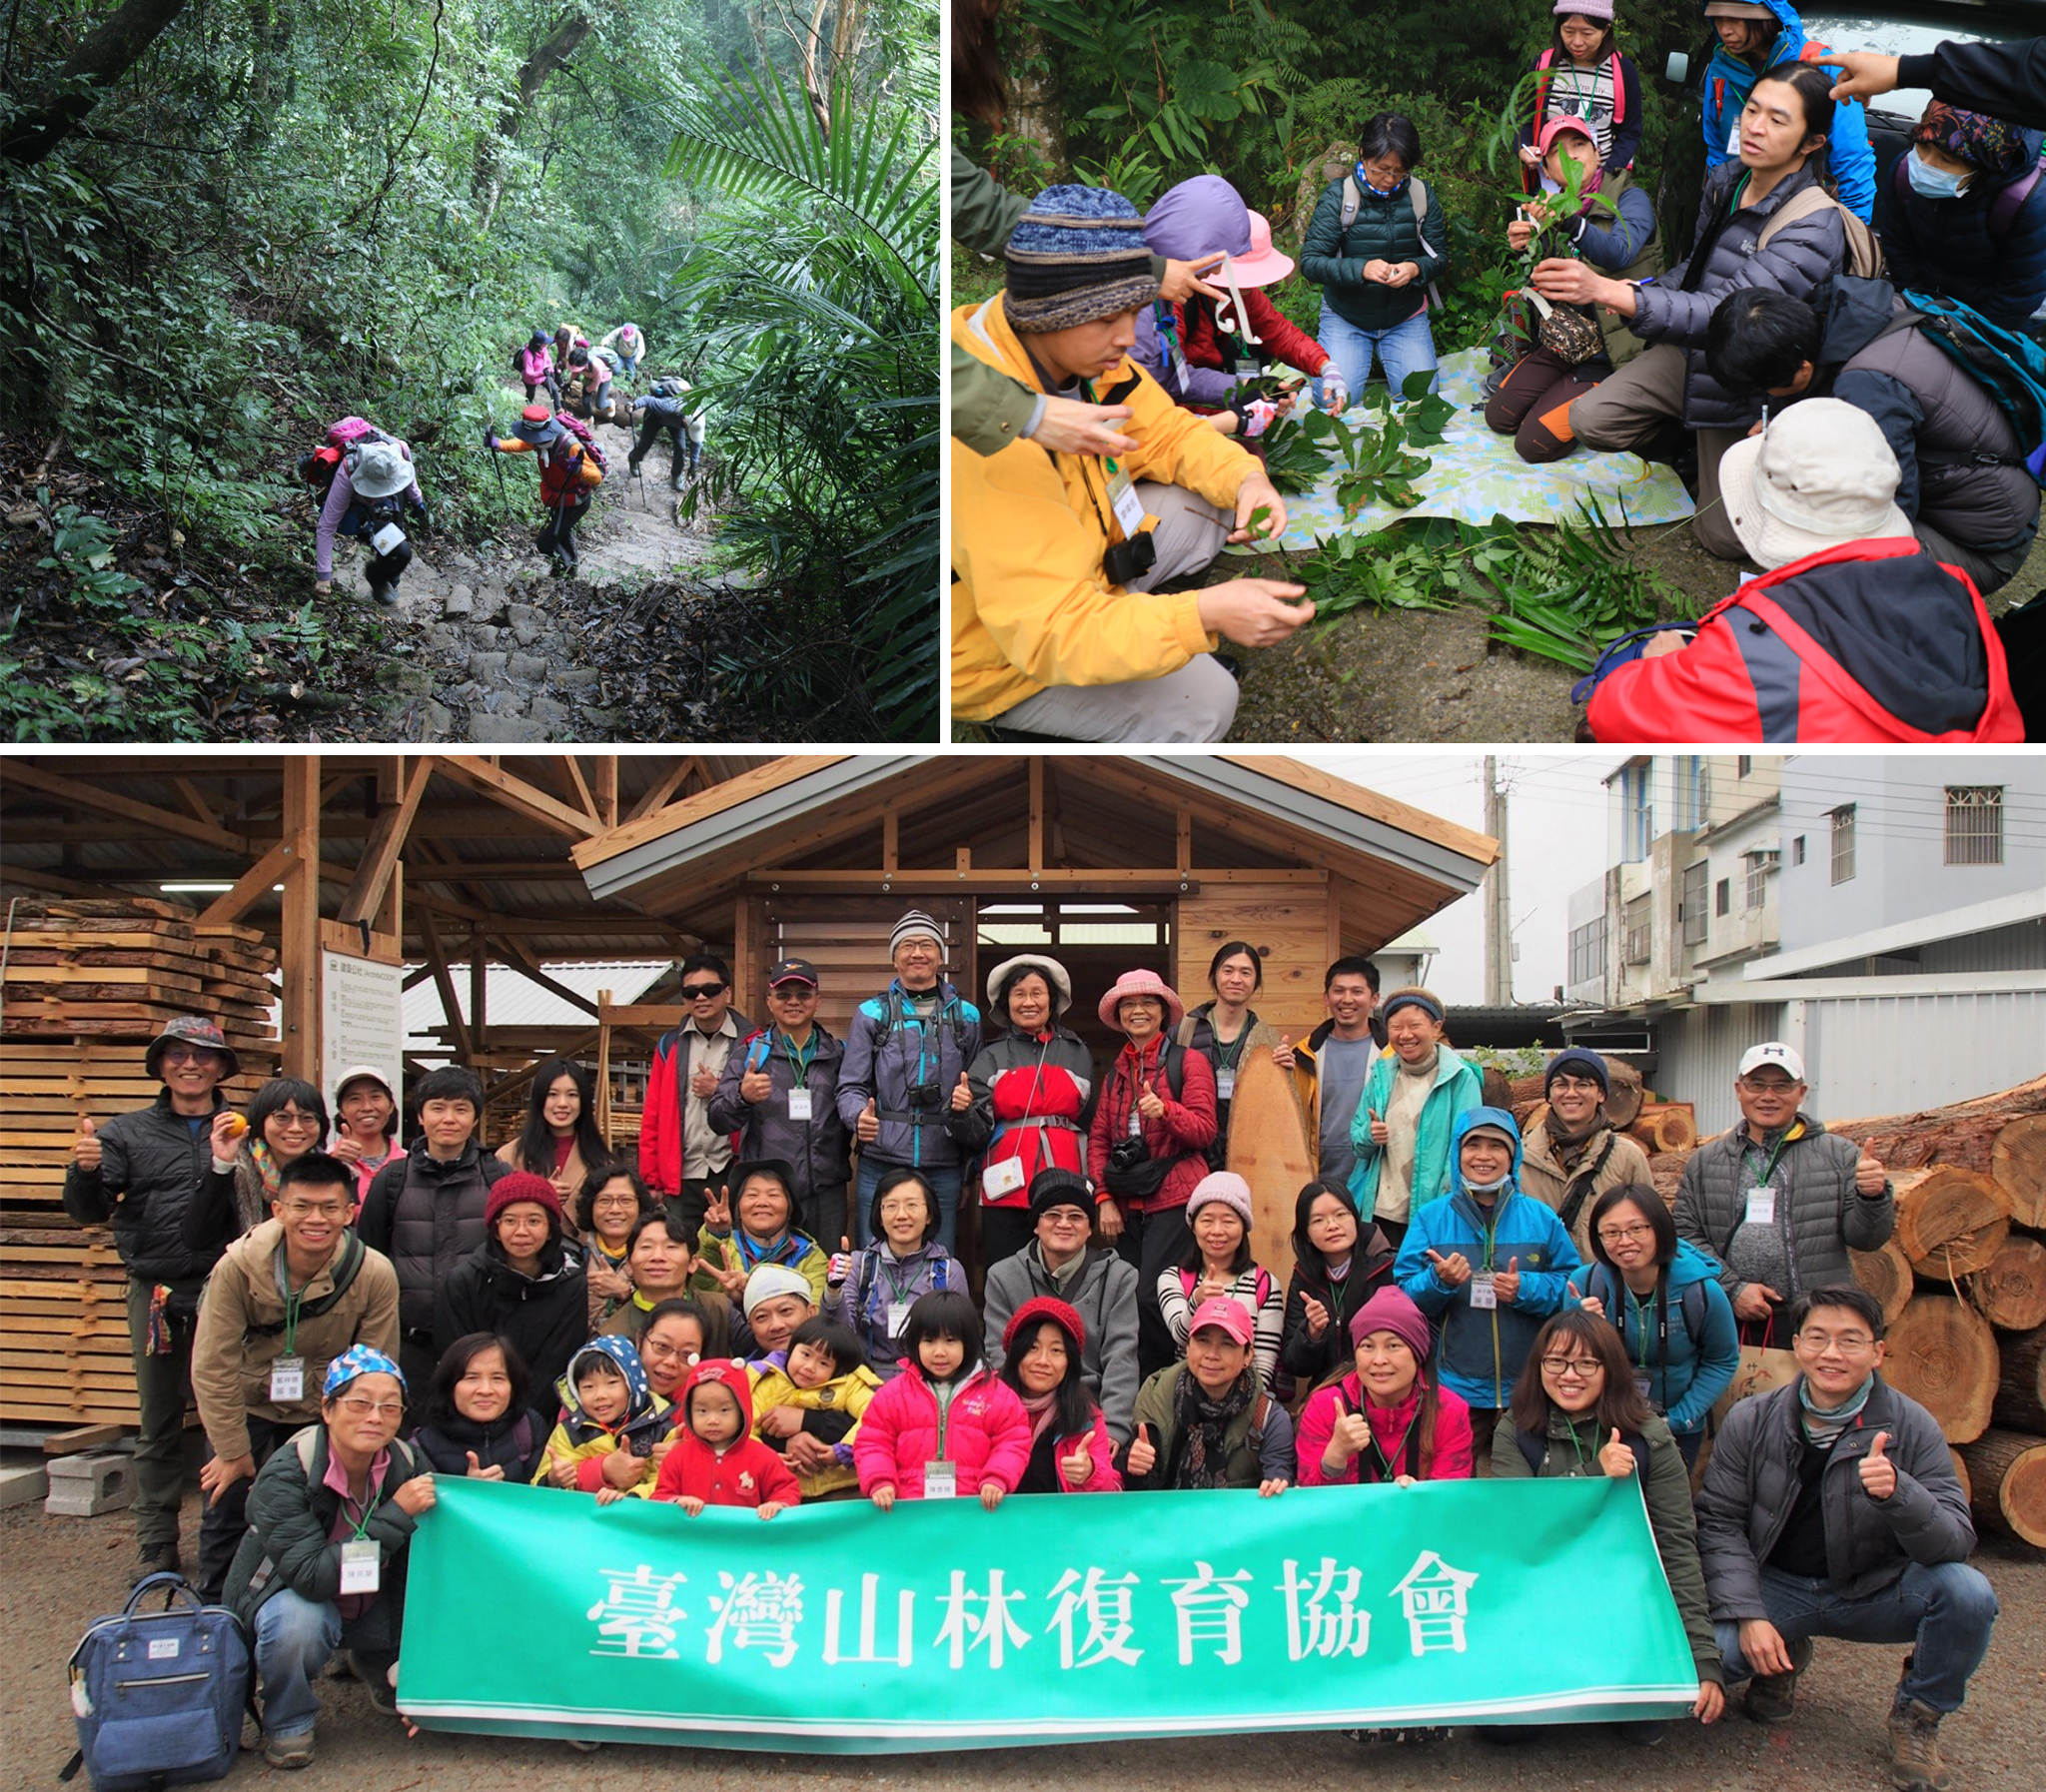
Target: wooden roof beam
83 796
517 794
381 851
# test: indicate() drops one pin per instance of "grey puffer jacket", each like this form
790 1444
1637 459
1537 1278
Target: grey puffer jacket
1816 1185
151 1165
1105 1297
1800 258
1936 419
426 1216
1751 1487
815 1148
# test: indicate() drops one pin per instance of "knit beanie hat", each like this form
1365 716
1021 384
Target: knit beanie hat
771 1280
1045 1306
1078 255
522 1185
1223 1186
1390 1310
1576 1062
1590 9
1060 1188
915 925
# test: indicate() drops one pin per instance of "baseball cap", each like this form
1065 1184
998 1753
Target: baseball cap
793 970
1776 1053
1225 1315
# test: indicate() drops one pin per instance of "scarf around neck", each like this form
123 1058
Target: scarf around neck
1205 1463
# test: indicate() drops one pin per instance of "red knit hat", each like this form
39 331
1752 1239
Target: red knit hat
522 1185
1045 1307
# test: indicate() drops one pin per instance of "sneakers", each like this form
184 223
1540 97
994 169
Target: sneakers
288 1753
1914 1747
155 1559
385 594
1773 1697
632 463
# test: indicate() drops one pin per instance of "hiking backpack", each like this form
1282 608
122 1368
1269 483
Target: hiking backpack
592 456
2009 366
318 466
1531 177
159 1696
1416 195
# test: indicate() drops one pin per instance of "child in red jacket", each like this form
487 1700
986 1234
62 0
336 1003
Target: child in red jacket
944 1426
715 1461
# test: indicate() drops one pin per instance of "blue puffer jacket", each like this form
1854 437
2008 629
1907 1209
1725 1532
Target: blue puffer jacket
1946 245
890 1053
1729 82
1480 1352
1689 1370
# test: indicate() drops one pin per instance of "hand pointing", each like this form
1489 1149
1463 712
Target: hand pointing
1878 1472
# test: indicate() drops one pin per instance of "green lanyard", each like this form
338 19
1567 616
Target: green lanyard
292 1304
1386 1473
800 1063
362 1525
1570 1427
1769 1169
895 1288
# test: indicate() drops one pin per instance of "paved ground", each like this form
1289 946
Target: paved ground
56 1574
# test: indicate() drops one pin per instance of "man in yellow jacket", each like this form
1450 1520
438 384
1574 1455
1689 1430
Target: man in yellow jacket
1058 624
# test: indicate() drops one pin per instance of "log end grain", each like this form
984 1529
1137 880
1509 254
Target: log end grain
2007 1476
1942 1353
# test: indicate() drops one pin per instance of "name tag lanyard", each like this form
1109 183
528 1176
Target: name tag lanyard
1122 491
800 1063
1661 1301
288 1368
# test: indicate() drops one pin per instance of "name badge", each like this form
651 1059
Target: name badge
1129 507
1761 1207
1643 1382
799 1104
1225 1085
1002 1179
362 1567
941 1480
1484 1295
898 1317
288 1378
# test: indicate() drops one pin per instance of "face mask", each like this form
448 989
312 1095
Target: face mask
1492 1188
1929 182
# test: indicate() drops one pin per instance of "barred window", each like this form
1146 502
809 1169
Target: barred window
1691 909
1641 924
1844 843
1974 824
1760 865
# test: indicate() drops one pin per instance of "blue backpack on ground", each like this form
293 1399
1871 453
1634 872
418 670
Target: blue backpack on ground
2010 367
159 1696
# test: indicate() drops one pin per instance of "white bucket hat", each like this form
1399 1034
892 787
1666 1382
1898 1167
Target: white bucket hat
1819 476
378 470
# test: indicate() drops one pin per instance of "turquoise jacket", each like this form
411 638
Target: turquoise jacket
1458 1086
1690 1352
1479 1351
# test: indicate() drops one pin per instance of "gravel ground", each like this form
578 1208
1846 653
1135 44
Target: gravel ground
59 1573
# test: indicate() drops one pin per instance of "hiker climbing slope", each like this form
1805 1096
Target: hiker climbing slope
534 366
371 486
572 467
628 343
666 412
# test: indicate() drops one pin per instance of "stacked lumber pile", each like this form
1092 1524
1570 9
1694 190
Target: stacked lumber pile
85 986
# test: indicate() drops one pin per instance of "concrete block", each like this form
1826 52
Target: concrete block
84 1487
22 1483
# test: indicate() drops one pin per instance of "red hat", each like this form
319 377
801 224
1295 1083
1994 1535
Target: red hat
1225 1314
1045 1307
522 1185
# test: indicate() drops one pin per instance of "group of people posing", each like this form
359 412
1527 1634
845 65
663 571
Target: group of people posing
1109 401
357 1318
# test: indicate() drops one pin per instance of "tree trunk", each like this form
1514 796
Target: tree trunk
1885 1273
1665 1126
2011 1292
2021 1383
1963 1134
1951 1222
107 53
2007 1472
2017 1165
551 53
1943 1355
1035 112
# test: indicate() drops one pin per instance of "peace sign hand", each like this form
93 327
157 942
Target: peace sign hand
717 1214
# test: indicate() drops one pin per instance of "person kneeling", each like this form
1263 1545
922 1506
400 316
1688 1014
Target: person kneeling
1830 1508
1858 634
1058 623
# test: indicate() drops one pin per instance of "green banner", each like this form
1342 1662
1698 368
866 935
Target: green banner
1059 1618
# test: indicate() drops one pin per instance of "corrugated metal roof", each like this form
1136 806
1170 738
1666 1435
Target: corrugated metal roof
512 999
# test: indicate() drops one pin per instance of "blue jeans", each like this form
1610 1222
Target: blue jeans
294 1638
944 1184
1944 1613
1405 349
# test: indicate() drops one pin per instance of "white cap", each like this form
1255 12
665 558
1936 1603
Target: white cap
1776 1053
771 1280
1821 474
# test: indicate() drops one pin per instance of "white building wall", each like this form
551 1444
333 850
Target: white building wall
1699 1051
1890 1054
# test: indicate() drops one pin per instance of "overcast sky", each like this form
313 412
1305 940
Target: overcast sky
1556 814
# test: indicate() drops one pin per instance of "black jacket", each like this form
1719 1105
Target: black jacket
2007 80
545 1316
515 1443
151 1163
1311 1358
427 1214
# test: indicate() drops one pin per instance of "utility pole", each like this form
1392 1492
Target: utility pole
1498 936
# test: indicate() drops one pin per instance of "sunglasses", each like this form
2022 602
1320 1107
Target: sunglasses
702 991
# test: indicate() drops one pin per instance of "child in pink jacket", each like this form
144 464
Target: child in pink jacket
945 1426
1043 1348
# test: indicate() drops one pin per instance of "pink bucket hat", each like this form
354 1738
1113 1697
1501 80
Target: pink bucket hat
1140 983
1263 263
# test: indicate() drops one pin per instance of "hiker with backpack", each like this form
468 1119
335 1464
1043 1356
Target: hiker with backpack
1218 1265
370 487
1574 347
1577 1412
1211 356
1210 1422
1769 220
586 385
1662 1294
1572 1154
1941 387
534 366
1584 75
628 343
1762 35
567 340
1149 1141
572 467
666 411
1857 636
284 1301
322 1568
1376 243
1963 213
904 1075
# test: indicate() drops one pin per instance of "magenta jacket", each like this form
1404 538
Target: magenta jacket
1103 1477
536 365
1450 1461
987 1435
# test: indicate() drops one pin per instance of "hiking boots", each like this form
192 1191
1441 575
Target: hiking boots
1773 1697
156 1558
1914 1747
288 1753
633 462
383 593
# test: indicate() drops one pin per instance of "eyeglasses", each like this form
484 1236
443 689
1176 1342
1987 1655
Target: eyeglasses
1332 1219
295 1122
1774 1086
1574 1086
616 1200
793 992
1571 1368
184 1054
702 991
1848 1344
325 1210
1612 1235
651 1351
358 1407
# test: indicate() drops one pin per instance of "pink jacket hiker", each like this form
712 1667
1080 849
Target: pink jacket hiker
987 1435
1450 1461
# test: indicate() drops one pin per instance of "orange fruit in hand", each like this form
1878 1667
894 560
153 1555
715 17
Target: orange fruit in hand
237 1126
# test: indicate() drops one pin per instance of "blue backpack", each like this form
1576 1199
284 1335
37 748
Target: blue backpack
2011 368
159 1696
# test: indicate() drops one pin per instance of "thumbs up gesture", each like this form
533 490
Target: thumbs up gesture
1878 1472
1352 1433
1452 1271
1282 1053
86 1152
1378 1133
756 1085
1316 1316
477 1472
841 1266
704 1082
869 1127
1506 1284
1074 1469
1149 1105
1615 1459
1143 1453
962 1095
1869 1175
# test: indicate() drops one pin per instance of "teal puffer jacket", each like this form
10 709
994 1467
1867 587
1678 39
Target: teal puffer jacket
1385 229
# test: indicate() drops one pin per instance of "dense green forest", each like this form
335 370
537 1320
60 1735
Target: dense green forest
228 223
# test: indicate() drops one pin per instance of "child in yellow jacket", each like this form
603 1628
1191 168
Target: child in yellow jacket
808 1409
606 1406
